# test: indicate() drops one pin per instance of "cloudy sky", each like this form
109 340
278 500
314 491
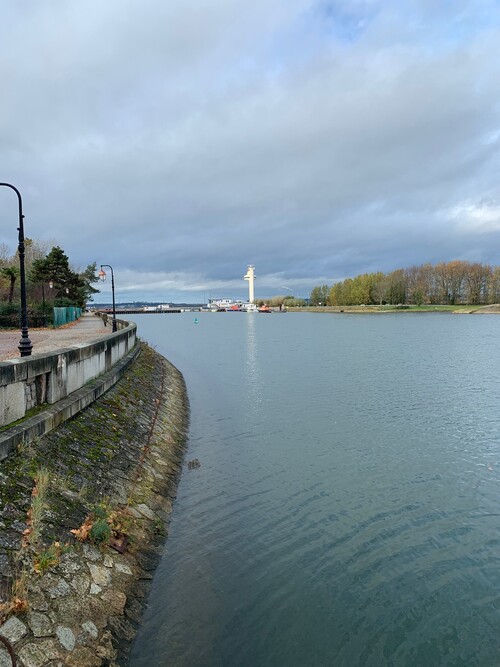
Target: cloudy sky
181 140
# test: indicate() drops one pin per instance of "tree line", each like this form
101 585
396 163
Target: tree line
50 281
456 282
280 300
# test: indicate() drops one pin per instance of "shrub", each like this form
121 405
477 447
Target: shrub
100 532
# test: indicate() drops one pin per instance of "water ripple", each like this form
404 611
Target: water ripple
346 510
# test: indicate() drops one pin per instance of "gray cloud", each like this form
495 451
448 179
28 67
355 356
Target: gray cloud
181 141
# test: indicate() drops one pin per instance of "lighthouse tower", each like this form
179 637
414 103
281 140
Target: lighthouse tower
250 275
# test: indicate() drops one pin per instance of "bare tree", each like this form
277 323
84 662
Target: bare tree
476 281
4 254
11 273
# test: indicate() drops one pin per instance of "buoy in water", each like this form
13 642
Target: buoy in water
196 320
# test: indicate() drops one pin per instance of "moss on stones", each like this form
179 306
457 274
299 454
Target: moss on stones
125 450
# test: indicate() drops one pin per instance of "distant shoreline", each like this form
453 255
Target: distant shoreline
493 309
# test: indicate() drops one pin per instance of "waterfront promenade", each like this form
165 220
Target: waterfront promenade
88 327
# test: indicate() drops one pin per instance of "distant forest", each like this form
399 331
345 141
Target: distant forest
451 283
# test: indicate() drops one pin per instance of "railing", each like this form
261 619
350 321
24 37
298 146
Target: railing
66 315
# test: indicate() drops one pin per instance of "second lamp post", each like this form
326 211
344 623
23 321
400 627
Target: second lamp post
102 276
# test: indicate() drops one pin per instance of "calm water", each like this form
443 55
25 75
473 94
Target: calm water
347 508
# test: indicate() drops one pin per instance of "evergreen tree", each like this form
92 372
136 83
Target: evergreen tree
88 277
319 295
70 288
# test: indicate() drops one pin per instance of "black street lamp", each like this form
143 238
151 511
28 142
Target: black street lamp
102 276
25 345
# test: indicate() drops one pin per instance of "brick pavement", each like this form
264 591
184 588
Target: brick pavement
89 327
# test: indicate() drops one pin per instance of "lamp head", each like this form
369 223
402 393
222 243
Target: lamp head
102 274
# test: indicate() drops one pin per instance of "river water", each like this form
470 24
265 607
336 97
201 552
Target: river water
347 507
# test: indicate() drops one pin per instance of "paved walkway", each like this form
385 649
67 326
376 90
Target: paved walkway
88 328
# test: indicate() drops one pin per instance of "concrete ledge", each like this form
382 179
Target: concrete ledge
49 377
38 425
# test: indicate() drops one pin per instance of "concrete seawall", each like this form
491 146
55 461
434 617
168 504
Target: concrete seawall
60 379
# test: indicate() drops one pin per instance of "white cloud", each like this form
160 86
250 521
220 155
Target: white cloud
477 218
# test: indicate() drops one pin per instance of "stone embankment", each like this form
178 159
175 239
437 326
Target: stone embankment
109 475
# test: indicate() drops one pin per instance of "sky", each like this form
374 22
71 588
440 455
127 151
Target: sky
181 141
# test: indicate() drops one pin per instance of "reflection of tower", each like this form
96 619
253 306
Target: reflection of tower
250 275
252 385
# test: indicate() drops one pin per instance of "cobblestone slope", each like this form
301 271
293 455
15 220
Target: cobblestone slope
79 603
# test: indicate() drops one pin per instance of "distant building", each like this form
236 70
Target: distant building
214 304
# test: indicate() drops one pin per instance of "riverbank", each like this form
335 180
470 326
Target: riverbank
112 469
466 309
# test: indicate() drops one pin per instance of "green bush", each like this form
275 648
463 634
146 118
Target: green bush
100 532
10 316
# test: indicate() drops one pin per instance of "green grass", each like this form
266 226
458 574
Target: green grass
100 532
429 308
29 413
405 308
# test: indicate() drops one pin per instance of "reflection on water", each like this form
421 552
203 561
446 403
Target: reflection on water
253 378
346 508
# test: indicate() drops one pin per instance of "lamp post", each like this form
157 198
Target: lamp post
25 346
51 287
102 276
43 304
